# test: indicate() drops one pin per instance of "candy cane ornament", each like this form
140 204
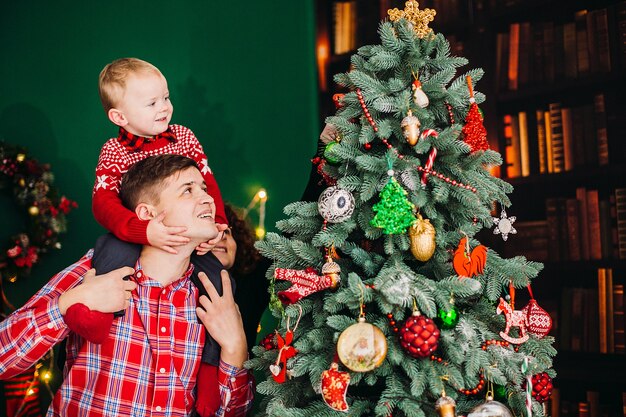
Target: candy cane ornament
431 156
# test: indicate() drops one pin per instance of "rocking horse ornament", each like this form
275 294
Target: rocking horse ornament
514 318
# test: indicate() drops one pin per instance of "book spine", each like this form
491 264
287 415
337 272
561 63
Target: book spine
568 141
603 46
513 76
556 125
582 44
593 219
573 229
602 137
523 143
541 142
619 324
569 49
602 324
620 214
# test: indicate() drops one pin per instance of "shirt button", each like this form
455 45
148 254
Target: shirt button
138 274
163 292
50 326
233 379
162 370
158 408
163 329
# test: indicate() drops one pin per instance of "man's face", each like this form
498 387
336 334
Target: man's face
186 203
146 104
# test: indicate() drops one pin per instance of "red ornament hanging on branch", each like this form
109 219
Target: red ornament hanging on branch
419 335
539 321
514 318
466 263
334 387
474 132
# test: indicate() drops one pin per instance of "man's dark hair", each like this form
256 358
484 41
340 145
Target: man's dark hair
144 179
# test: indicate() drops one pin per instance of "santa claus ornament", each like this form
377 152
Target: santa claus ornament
334 387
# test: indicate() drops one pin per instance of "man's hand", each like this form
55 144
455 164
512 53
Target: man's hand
165 237
222 319
104 293
207 246
329 133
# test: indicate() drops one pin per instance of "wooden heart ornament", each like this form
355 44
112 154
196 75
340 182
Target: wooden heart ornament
466 263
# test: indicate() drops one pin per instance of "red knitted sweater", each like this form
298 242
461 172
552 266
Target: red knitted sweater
114 161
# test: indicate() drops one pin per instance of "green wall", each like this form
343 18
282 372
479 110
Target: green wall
241 75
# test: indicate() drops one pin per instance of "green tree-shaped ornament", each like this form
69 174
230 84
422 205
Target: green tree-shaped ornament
394 212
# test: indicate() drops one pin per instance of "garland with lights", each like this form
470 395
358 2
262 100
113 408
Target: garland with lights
30 183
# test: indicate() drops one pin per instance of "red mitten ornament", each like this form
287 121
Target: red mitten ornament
542 387
93 326
468 264
305 283
539 321
419 336
474 132
334 387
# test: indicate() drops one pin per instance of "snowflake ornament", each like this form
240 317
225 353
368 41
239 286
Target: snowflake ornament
504 225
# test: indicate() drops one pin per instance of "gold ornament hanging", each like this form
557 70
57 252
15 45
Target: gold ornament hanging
419 96
33 210
332 270
411 128
445 406
362 346
418 19
422 235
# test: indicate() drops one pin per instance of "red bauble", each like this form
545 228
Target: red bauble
542 387
419 336
539 321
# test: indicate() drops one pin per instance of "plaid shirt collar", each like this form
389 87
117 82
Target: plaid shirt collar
134 143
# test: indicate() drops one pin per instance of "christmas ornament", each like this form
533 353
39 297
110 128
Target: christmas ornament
338 100
474 132
335 204
419 97
490 408
419 335
418 19
429 166
305 282
332 271
334 387
411 128
328 155
422 236
321 163
279 369
269 342
504 225
514 318
499 392
528 384
362 346
468 264
394 212
539 321
33 211
445 406
541 387
448 318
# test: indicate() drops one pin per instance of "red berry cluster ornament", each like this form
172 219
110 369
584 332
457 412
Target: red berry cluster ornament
419 336
269 342
542 387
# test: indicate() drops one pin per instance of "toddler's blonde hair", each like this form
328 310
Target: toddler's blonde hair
112 79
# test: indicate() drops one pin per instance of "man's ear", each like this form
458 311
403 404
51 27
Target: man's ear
117 117
145 211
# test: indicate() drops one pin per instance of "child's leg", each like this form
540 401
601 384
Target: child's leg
206 378
109 253
112 253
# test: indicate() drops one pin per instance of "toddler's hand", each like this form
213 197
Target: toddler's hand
329 133
165 237
205 247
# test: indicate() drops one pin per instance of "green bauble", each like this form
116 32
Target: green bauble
328 155
499 393
449 318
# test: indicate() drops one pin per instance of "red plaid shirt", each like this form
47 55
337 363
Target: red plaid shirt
118 154
147 366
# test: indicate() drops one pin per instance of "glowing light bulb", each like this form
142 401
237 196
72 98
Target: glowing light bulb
47 376
30 391
260 232
262 194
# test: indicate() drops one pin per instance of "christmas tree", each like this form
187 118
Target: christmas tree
388 303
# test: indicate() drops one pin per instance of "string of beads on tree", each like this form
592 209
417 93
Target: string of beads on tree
31 185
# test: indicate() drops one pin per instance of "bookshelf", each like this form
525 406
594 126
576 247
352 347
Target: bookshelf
559 67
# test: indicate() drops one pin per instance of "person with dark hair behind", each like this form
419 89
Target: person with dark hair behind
237 253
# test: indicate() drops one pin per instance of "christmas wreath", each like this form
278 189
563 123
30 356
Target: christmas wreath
31 186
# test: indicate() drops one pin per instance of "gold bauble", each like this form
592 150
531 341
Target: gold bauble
22 182
33 210
332 270
445 406
20 157
411 128
362 347
422 235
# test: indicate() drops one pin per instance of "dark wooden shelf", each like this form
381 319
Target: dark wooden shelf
591 368
599 176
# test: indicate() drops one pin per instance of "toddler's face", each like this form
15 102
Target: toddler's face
146 104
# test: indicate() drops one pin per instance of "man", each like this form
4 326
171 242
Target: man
149 363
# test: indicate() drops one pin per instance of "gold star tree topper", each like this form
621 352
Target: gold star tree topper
419 19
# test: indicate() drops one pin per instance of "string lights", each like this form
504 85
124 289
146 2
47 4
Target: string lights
260 198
